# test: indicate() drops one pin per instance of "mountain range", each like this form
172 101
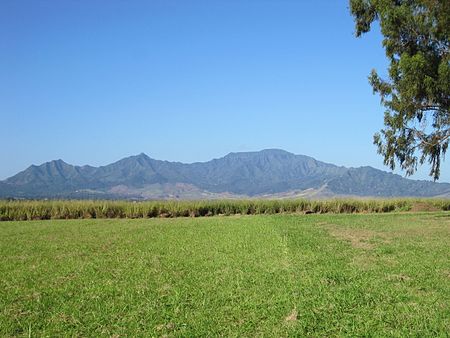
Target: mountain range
270 173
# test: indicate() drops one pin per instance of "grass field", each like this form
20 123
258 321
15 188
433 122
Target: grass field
273 275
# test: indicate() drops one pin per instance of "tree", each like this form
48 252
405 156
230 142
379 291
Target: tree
417 93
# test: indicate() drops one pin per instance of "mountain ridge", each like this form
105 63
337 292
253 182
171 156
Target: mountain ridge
269 172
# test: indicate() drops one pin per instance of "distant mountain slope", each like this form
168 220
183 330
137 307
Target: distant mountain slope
368 181
263 173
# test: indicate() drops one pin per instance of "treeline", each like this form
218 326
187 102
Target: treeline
60 209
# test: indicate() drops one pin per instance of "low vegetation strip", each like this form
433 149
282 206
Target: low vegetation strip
59 209
356 275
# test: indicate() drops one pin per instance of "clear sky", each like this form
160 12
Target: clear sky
93 81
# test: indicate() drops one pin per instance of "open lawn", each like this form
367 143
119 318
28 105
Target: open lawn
265 275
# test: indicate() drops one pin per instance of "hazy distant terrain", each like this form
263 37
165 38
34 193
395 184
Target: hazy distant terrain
267 173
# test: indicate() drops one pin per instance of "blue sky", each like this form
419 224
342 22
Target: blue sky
93 81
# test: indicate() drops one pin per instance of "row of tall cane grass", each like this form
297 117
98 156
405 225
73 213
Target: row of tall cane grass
77 209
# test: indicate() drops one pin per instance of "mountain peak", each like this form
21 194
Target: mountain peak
264 152
275 151
59 161
140 156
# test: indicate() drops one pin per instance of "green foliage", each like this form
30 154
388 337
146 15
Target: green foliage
417 94
60 209
353 275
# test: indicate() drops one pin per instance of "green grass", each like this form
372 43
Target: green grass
277 275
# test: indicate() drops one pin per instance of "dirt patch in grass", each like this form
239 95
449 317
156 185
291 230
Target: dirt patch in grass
358 238
369 260
435 228
292 316
364 262
398 278
423 206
